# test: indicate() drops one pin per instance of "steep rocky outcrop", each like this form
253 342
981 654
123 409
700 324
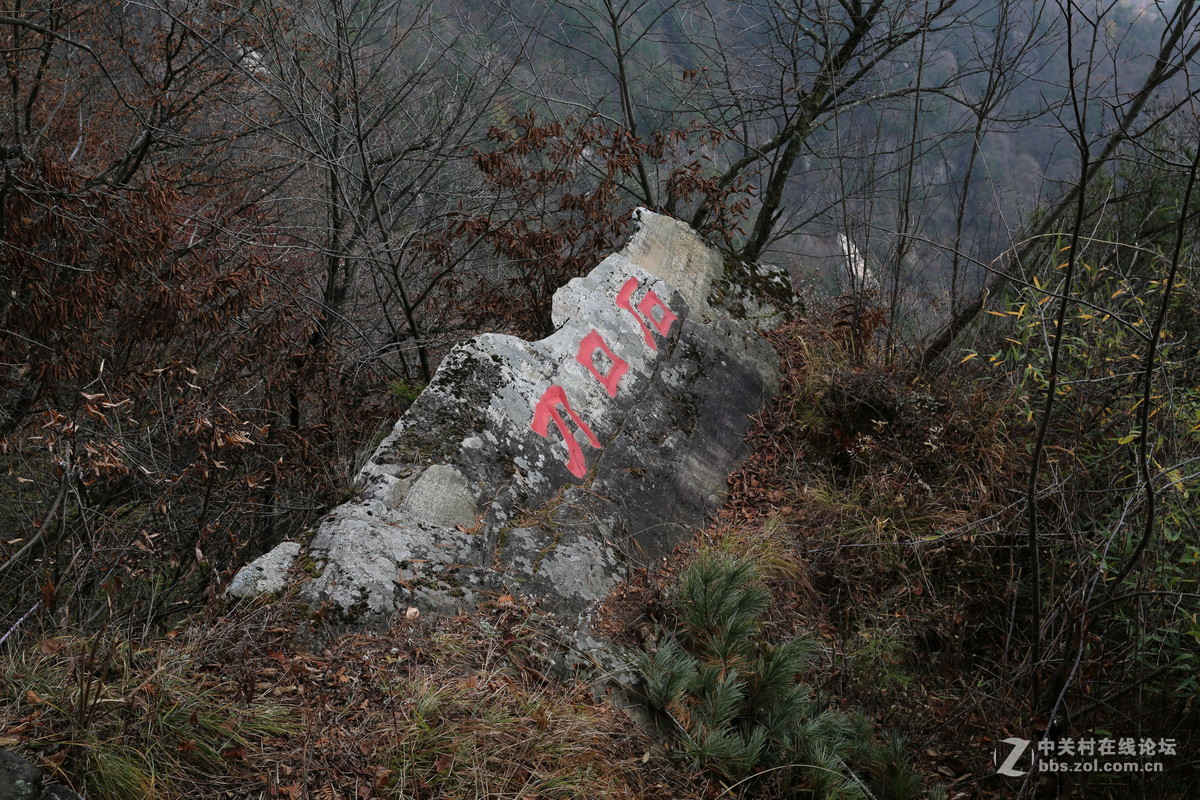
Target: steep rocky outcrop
548 468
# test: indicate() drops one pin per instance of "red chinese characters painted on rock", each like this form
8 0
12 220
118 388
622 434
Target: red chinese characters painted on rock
650 314
547 410
587 357
652 309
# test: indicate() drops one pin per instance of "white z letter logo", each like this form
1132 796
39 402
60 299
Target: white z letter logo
1019 748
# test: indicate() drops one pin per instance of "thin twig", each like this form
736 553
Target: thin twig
17 624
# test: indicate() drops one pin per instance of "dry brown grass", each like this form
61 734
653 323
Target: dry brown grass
457 708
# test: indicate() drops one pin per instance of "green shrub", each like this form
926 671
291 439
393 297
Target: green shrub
736 709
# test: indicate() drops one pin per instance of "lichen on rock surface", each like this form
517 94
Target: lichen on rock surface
622 426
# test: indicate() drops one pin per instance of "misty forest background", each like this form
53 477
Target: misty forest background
237 237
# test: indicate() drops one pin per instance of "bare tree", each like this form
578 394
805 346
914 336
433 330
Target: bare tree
375 107
1175 57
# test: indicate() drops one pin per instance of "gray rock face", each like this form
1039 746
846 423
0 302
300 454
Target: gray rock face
548 468
441 497
266 574
20 780
60 793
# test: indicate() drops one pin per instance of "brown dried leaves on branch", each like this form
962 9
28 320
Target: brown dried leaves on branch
564 193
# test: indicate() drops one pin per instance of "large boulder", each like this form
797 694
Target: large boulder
549 468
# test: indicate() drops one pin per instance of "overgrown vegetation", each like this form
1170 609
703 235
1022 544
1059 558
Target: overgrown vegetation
732 703
232 706
129 720
893 502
